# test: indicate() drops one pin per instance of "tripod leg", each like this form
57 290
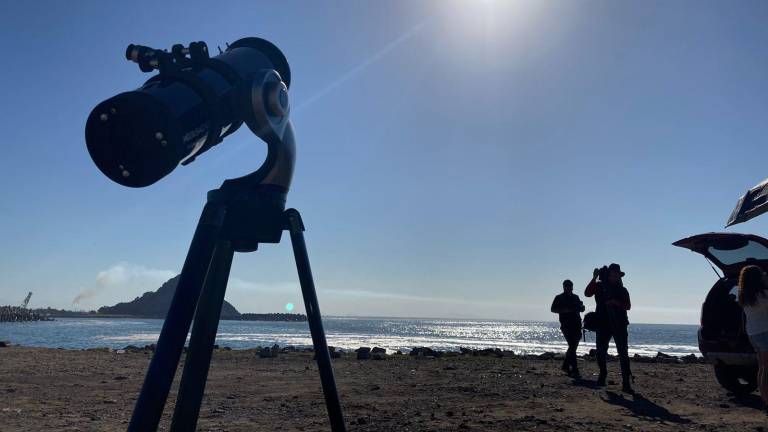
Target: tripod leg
162 368
207 316
296 228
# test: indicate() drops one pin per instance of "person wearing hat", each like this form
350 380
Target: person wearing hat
612 300
569 307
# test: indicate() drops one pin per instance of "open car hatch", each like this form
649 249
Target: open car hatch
729 251
752 204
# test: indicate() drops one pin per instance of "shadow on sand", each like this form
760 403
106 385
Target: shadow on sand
644 408
588 383
749 401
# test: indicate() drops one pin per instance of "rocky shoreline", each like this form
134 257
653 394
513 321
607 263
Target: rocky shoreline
378 353
278 389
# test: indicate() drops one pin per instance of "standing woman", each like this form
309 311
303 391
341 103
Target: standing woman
754 300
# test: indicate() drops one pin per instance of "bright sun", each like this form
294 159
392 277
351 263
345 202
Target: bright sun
492 19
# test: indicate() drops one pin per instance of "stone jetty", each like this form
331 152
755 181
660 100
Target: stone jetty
19 314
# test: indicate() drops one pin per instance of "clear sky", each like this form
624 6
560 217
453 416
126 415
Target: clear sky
455 159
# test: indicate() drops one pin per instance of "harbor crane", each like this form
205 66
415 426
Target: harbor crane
25 303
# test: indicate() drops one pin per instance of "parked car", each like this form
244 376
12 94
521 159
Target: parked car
722 337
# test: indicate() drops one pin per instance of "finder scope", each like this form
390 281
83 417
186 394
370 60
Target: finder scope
195 101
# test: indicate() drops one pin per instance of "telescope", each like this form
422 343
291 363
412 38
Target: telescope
138 137
193 103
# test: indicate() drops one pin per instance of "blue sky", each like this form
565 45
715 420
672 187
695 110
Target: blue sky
455 158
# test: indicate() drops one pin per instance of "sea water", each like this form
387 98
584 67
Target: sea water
523 337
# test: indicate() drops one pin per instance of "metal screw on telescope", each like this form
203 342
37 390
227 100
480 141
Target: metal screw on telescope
237 217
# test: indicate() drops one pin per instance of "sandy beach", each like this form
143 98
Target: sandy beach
94 390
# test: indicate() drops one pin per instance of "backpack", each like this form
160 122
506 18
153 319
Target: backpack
590 321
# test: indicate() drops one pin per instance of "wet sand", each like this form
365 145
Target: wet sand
62 390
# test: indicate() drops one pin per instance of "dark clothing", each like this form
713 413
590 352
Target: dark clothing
620 339
609 317
573 337
612 323
569 307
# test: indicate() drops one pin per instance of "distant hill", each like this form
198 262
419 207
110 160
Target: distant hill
155 304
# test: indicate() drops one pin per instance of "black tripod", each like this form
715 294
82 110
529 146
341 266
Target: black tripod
238 216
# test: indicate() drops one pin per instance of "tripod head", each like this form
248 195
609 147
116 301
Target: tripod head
138 137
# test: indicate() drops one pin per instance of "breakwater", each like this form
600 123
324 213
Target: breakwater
19 314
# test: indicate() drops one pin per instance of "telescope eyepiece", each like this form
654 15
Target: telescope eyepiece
180 56
132 52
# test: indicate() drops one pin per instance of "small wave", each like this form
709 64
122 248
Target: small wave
132 337
524 337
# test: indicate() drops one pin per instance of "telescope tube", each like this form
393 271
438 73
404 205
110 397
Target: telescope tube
138 137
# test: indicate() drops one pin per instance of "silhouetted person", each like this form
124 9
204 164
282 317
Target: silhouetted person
612 300
569 307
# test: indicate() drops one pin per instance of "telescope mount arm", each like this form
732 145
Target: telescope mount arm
264 102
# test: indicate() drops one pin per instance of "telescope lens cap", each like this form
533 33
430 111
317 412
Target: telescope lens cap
131 139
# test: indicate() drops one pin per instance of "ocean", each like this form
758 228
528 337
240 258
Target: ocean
523 337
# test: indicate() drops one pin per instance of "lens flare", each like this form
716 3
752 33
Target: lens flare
289 307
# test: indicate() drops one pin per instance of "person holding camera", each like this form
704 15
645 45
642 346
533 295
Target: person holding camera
612 300
569 306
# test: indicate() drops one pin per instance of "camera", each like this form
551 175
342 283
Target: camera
601 273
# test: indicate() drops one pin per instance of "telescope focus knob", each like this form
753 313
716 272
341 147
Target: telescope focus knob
265 105
277 98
